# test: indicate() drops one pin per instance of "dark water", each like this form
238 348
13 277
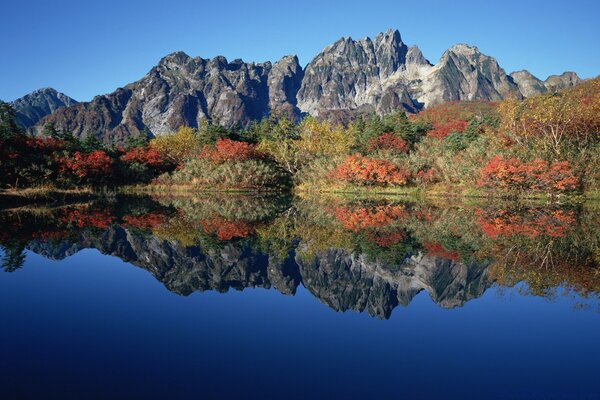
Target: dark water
233 297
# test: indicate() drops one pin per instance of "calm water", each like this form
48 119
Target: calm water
233 297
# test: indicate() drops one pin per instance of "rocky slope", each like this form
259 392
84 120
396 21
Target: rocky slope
36 105
341 280
529 85
350 76
182 90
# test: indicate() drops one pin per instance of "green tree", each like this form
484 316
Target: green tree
8 124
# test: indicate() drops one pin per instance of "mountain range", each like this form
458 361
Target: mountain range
348 77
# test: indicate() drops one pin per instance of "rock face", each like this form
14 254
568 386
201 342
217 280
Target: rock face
182 90
365 74
36 105
529 85
555 83
379 75
464 73
340 279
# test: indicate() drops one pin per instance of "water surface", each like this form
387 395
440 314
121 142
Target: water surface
237 297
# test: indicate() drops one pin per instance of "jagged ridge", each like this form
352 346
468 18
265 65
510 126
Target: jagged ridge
380 75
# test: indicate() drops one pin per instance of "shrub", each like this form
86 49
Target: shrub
94 167
442 129
248 174
229 150
361 170
538 175
387 141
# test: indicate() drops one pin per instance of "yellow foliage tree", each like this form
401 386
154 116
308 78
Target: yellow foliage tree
321 139
179 146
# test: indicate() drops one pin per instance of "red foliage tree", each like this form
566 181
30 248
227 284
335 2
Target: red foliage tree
148 155
437 250
226 229
531 223
368 171
442 129
387 141
96 164
229 150
537 175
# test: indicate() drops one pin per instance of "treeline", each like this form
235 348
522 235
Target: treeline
545 144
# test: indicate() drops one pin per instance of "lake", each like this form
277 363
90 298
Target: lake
227 296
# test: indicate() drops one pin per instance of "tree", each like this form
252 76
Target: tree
8 124
14 255
180 146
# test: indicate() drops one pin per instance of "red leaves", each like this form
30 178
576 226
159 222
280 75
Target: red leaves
229 150
148 155
442 129
426 176
359 218
387 141
226 229
86 164
145 221
368 171
537 175
88 218
532 224
437 250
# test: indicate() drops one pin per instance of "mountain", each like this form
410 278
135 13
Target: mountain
555 83
182 90
529 85
350 76
36 105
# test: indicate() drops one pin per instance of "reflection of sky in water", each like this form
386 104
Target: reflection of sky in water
95 324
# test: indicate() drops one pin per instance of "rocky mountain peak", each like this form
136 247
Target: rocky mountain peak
39 103
415 56
350 76
565 80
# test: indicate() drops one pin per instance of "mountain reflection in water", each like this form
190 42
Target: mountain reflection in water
352 255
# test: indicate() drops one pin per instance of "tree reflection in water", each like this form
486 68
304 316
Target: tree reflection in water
352 255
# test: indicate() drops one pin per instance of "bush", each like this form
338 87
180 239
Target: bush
536 176
229 150
248 174
361 170
387 141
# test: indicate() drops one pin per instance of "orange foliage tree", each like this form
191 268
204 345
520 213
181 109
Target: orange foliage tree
387 141
537 175
229 150
361 170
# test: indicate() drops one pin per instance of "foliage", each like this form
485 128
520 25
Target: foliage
179 146
535 176
229 150
362 170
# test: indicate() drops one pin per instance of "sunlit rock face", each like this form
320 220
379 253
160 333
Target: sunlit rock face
348 77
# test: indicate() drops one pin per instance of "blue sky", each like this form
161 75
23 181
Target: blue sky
84 48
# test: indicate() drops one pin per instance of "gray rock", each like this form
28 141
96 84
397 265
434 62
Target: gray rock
554 83
347 78
37 104
528 84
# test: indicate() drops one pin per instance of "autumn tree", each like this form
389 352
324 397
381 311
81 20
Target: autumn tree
178 146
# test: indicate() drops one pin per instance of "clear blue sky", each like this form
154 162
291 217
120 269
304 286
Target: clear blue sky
84 48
